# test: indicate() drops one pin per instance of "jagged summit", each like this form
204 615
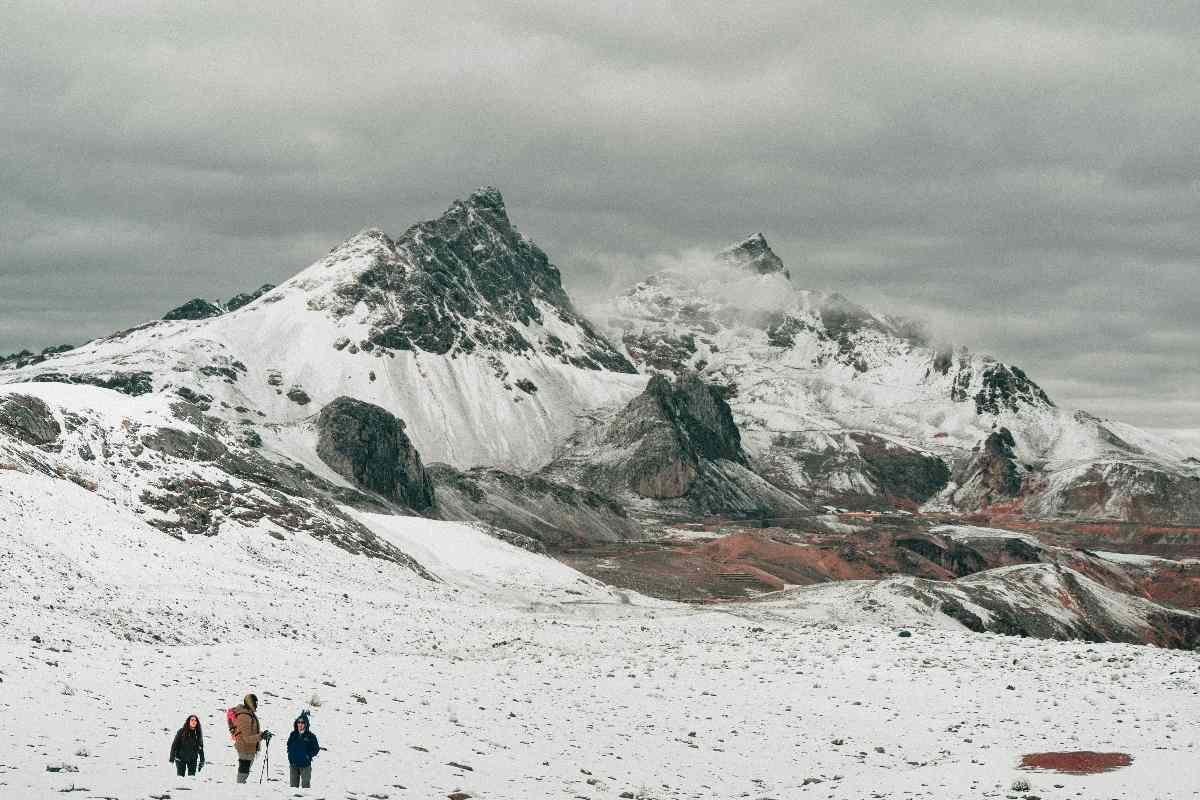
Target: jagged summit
754 254
461 283
488 199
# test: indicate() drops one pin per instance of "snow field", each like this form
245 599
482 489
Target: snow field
543 682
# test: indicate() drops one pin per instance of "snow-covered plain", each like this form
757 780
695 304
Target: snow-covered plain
518 678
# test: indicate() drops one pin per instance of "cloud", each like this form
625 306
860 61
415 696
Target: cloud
1023 173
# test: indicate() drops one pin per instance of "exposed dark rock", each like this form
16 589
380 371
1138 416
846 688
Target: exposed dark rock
1134 492
962 383
25 358
990 474
197 308
198 506
675 443
130 383
368 444
194 397
246 298
550 512
465 281
755 255
29 419
187 445
298 396
900 471
661 352
229 374
1007 388
853 470
674 427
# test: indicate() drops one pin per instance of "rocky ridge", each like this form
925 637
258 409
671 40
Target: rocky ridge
840 405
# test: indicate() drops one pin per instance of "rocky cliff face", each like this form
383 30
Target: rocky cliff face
367 444
29 419
672 430
464 282
990 475
675 447
753 255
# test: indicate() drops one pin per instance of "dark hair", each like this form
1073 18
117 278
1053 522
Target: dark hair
187 728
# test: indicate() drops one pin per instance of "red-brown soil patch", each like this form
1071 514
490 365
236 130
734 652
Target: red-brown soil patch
1078 762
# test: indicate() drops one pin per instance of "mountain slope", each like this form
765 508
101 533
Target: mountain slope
542 683
841 404
460 327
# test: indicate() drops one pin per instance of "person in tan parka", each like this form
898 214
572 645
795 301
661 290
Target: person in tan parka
246 734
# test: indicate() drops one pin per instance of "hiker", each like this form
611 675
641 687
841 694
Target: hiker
246 733
188 747
302 748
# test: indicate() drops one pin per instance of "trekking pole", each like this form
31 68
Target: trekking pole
266 761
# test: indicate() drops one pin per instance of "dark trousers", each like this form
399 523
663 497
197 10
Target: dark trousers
302 777
182 766
244 769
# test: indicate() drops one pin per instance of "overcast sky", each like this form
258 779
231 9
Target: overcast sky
1026 178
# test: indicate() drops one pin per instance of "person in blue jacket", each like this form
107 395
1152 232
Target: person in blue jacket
302 748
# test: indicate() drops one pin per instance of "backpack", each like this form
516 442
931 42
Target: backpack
231 718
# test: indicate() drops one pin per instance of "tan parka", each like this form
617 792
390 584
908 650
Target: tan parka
246 731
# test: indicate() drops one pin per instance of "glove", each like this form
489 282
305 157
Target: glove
267 736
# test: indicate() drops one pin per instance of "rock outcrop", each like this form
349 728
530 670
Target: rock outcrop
199 308
675 446
555 514
755 255
990 475
196 308
246 298
28 419
368 445
672 430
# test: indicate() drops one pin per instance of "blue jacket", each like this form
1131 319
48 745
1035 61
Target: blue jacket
302 747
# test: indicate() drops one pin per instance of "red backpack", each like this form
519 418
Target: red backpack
231 718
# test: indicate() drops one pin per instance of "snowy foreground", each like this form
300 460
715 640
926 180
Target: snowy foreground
519 678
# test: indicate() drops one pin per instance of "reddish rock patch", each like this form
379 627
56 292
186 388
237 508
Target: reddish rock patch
1078 762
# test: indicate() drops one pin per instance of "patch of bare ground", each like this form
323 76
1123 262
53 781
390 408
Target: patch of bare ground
1076 762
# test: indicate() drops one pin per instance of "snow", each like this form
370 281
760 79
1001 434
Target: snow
969 532
544 682
463 410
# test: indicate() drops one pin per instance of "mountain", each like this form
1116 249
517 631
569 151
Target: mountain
453 343
459 327
838 404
